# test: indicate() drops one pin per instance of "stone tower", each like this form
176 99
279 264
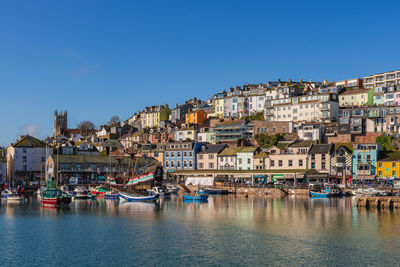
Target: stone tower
60 122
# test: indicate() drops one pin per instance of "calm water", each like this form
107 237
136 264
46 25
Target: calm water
227 230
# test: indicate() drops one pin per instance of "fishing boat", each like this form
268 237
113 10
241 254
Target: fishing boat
52 196
199 196
133 198
12 196
82 192
328 190
100 190
172 189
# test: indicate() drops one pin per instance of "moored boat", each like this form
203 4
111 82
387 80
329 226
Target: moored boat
132 198
328 190
215 191
195 196
53 196
100 191
158 190
111 195
172 189
82 192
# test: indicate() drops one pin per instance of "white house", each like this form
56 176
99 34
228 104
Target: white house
26 159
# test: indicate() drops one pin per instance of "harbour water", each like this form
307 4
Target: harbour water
225 231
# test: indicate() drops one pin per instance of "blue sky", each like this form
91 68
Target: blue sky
97 59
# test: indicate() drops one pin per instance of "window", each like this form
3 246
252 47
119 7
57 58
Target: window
272 163
290 163
313 157
190 154
394 165
211 156
172 164
178 154
200 165
300 162
380 164
166 164
24 159
240 161
394 173
248 161
211 165
184 163
190 164
24 150
185 154
323 156
323 165
280 164
312 165
200 156
178 163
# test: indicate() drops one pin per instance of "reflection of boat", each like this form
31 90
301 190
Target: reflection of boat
328 190
172 189
53 196
82 192
133 198
195 196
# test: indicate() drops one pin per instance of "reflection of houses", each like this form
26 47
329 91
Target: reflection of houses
92 169
341 163
364 161
25 159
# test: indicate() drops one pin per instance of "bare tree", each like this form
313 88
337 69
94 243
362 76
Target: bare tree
114 120
86 127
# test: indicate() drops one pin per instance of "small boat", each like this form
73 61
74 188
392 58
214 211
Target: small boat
172 189
198 196
12 196
82 192
100 191
215 191
158 190
111 195
133 198
328 190
51 196
67 190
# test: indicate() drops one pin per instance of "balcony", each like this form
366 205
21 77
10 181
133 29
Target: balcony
325 107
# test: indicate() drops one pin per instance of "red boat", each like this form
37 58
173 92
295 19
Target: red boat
99 191
52 196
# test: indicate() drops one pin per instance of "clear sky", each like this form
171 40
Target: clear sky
97 58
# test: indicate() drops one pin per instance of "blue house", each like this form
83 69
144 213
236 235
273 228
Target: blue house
181 155
364 161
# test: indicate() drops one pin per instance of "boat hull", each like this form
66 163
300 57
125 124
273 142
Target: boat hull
133 198
55 202
319 194
196 197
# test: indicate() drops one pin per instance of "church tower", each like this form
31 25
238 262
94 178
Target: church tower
60 123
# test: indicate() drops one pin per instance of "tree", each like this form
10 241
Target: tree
385 141
114 120
86 127
266 141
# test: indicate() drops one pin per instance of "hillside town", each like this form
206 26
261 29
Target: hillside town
287 132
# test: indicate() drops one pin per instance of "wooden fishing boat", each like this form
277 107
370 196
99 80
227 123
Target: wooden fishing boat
111 195
133 198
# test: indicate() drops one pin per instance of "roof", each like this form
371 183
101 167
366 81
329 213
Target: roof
260 155
29 141
356 91
392 156
213 149
320 149
347 146
247 149
229 151
302 144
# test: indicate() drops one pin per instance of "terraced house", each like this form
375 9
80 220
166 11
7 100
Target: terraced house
181 155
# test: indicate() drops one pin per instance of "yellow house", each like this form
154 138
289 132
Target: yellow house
196 117
158 155
388 169
356 97
219 107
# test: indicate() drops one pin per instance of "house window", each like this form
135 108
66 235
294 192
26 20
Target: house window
290 163
166 164
24 150
312 165
184 163
190 164
211 156
323 165
248 161
200 165
393 173
240 161
24 159
184 154
200 156
313 157
172 164
178 154
300 162
394 165
323 156
380 164
211 165
280 164
178 163
190 154
272 163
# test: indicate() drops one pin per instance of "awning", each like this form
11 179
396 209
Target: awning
101 178
278 176
364 177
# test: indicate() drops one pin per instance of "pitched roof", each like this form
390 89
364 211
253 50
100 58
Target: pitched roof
247 149
302 144
29 141
229 151
356 91
393 156
320 149
213 149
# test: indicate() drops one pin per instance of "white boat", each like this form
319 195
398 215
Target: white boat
158 190
172 189
134 198
366 192
12 196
